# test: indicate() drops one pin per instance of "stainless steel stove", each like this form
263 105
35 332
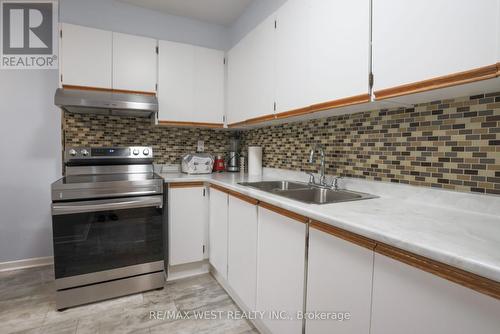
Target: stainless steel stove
107 222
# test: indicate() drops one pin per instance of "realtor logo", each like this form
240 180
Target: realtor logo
28 34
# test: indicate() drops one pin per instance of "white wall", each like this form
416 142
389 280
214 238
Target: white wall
30 146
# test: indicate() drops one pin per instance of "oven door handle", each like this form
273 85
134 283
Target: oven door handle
106 205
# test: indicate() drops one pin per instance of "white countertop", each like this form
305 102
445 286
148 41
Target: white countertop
459 229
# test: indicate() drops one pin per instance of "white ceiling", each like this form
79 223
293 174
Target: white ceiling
223 12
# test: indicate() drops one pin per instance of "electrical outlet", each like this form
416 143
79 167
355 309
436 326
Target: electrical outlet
201 146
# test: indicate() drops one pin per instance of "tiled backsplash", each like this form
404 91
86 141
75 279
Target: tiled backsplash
452 144
169 144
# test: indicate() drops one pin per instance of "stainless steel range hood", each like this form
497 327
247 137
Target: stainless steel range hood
106 103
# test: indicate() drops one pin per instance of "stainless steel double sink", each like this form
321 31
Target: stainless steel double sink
307 193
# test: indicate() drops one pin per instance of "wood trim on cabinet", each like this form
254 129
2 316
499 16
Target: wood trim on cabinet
192 124
472 281
344 102
284 212
244 198
236 194
219 188
343 234
260 119
109 90
237 124
185 184
477 74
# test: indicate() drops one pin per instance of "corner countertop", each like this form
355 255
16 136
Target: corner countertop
458 229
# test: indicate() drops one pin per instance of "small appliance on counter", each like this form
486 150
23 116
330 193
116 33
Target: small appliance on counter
220 164
233 155
197 163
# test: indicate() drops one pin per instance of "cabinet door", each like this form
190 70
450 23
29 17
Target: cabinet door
176 81
408 300
242 269
208 85
420 40
251 91
134 63
86 56
280 279
339 280
339 49
237 85
292 55
186 226
218 231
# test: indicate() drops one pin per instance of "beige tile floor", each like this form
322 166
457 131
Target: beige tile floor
27 306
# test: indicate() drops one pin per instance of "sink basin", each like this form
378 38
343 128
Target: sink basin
306 193
271 186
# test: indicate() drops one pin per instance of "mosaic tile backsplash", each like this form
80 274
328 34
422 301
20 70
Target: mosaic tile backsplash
168 143
451 144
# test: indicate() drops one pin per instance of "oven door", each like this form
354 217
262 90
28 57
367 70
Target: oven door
104 235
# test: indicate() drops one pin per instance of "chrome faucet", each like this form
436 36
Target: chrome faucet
322 179
314 148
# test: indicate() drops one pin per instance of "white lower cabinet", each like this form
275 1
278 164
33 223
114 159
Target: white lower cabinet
217 231
339 281
242 271
411 301
280 271
187 224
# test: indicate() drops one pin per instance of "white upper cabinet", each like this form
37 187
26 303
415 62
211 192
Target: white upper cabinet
134 63
217 231
411 301
208 85
190 83
292 55
186 226
339 280
339 49
176 81
251 88
86 56
420 40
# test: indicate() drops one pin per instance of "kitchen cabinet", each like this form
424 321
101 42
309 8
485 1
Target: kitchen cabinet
218 230
190 83
408 300
134 63
281 256
421 40
86 56
251 67
339 49
292 55
186 226
339 280
242 269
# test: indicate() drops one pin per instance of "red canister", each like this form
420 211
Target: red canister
219 164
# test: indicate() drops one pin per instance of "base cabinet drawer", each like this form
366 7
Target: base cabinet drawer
409 300
186 227
280 282
242 260
339 283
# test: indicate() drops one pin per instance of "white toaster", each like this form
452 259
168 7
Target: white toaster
199 163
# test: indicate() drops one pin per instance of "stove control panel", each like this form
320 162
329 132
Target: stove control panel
89 153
